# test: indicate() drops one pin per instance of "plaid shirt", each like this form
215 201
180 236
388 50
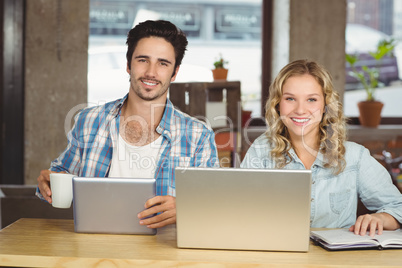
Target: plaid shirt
186 142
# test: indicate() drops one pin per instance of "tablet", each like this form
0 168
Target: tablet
111 205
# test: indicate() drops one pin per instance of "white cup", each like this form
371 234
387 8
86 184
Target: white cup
61 185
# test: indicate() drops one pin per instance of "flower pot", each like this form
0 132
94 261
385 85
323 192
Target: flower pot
370 113
220 74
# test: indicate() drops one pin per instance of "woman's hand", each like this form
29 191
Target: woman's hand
372 222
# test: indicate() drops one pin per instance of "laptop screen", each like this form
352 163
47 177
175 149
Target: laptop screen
250 209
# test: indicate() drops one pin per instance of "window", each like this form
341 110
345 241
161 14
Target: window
368 22
230 28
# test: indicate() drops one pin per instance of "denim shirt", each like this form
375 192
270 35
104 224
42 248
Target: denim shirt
334 198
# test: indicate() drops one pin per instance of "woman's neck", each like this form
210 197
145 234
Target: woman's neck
306 150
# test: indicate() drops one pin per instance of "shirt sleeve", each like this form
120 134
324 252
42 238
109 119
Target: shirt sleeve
206 153
70 159
376 190
258 155
39 195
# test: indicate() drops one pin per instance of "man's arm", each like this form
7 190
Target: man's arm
67 162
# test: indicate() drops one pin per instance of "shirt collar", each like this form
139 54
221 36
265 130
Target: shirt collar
116 111
165 125
319 161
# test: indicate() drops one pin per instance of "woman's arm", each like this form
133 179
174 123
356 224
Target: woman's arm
372 222
378 193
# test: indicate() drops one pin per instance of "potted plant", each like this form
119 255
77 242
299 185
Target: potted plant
370 109
220 72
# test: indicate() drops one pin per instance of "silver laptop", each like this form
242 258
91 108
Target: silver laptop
244 209
111 205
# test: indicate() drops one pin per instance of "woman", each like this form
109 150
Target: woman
307 130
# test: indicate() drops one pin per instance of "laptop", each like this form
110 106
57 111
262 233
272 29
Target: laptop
243 209
111 205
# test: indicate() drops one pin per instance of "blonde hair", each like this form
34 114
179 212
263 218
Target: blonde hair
332 128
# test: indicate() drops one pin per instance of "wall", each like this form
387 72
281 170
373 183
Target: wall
317 32
280 35
56 45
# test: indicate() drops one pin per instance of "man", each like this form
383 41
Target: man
141 135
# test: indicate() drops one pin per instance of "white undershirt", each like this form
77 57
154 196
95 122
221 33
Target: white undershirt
133 161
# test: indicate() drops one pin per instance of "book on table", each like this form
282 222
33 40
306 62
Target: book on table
342 239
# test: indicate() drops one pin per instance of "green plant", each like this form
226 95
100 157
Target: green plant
220 63
367 76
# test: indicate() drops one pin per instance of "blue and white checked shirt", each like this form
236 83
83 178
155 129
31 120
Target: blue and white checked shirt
186 142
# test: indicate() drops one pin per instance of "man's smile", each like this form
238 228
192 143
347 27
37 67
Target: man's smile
149 82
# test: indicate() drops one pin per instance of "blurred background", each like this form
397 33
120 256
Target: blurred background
233 29
60 56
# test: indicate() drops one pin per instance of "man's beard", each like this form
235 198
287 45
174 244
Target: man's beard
137 89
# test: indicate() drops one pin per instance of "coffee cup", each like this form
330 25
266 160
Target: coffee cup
61 185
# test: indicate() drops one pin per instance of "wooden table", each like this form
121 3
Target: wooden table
44 243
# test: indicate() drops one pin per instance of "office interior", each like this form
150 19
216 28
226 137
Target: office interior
44 75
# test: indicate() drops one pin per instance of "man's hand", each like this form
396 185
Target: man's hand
44 184
165 205
373 222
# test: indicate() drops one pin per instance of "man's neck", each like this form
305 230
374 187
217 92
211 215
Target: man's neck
139 120
150 111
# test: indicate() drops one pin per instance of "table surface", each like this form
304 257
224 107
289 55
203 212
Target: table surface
44 243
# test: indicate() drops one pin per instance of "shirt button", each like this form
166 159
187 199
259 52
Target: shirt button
312 199
313 182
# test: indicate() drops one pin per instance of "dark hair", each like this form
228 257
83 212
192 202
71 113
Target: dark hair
159 28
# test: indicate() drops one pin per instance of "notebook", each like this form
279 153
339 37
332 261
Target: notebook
243 209
110 205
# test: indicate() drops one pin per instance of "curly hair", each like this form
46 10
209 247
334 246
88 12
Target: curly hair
332 128
159 28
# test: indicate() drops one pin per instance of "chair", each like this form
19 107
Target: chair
192 98
393 165
19 201
391 159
